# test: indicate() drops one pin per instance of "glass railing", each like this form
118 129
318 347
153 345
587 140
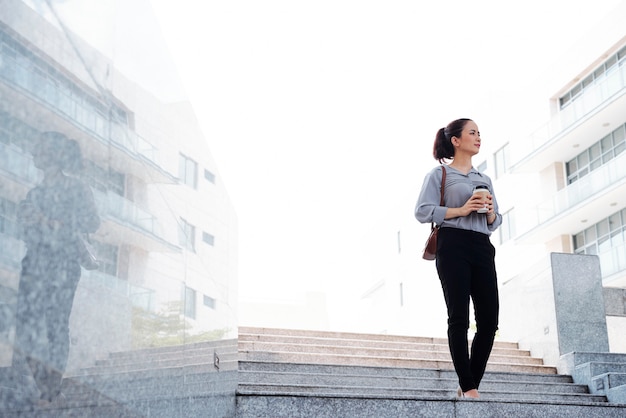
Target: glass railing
589 100
140 297
577 192
124 210
613 260
18 164
131 141
19 72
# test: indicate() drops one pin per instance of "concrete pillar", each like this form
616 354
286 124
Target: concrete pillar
579 303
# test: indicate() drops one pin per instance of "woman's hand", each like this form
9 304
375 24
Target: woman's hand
475 203
491 214
472 205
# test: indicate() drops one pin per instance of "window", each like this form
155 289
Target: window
187 171
596 155
208 238
187 235
599 73
507 229
399 242
601 237
482 167
190 303
502 160
209 302
209 176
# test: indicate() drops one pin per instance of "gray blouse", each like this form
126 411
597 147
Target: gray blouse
459 188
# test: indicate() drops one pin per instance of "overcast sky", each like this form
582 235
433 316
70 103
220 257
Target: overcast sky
321 114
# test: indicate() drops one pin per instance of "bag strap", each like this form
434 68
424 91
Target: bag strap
443 183
443 186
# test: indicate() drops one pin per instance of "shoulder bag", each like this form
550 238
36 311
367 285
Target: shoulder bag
430 250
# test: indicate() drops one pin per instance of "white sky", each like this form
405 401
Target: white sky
321 114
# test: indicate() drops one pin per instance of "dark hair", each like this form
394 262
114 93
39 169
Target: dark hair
443 148
64 150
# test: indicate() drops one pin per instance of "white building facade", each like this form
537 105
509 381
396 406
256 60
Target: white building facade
561 189
168 238
565 189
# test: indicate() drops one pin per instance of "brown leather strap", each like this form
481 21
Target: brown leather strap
443 186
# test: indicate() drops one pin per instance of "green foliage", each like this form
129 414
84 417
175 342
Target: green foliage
167 327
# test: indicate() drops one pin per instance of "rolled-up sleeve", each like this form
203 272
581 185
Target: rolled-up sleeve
427 208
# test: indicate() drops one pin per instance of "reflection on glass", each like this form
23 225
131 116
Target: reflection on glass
164 237
56 217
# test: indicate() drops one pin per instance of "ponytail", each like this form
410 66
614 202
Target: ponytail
442 147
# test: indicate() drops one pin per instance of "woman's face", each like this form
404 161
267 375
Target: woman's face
469 142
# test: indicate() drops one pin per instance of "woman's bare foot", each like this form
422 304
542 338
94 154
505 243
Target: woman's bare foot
472 393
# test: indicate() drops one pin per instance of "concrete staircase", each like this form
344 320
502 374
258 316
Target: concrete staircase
293 373
192 380
603 373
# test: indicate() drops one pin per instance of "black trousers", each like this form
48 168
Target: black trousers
466 268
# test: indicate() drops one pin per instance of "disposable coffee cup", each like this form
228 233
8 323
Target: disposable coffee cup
483 193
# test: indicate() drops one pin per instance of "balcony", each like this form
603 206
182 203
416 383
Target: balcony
613 266
577 126
17 168
139 297
126 223
76 113
581 203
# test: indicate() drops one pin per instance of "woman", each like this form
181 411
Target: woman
54 215
465 256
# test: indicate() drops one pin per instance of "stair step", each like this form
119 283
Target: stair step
420 352
378 370
451 383
260 332
605 381
176 351
387 361
247 340
423 393
251 405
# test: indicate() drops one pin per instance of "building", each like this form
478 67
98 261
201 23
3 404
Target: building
572 173
168 240
561 188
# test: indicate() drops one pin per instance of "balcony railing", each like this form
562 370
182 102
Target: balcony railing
575 193
20 71
613 260
124 210
140 297
17 164
590 99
